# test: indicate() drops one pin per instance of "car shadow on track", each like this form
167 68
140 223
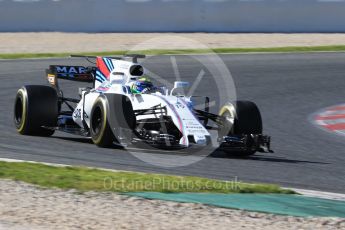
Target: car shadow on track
75 139
218 154
215 154
84 140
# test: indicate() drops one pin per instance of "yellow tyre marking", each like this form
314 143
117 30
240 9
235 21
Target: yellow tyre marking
98 140
24 102
226 108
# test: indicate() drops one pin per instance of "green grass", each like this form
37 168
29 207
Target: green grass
334 48
88 179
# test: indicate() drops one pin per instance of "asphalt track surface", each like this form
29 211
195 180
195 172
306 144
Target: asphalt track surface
288 88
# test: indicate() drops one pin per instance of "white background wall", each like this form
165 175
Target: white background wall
173 15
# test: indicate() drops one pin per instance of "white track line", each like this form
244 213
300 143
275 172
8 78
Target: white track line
58 165
319 194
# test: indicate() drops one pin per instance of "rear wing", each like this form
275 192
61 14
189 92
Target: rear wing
72 73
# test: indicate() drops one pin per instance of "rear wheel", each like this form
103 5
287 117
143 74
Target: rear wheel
241 118
36 109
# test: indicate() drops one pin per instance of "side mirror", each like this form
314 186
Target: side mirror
179 85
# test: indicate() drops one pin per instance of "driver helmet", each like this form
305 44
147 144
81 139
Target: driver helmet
142 85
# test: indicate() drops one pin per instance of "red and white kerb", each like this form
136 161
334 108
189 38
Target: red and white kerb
332 119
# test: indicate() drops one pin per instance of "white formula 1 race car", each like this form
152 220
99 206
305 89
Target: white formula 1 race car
111 114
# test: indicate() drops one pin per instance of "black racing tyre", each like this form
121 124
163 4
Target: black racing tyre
122 118
100 129
36 107
121 110
248 119
242 117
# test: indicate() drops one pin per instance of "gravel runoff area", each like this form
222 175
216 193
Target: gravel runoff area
55 42
24 206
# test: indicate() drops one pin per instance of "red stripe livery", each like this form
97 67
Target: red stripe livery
102 67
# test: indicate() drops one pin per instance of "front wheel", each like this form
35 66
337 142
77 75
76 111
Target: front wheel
100 130
240 118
